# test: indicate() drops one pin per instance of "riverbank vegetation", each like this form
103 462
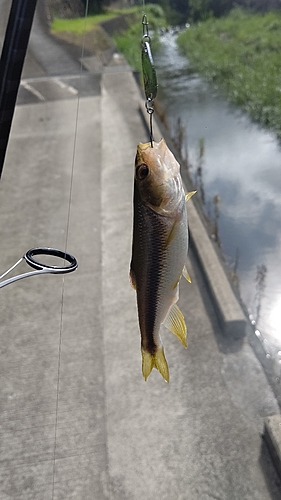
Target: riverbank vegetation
128 40
81 25
241 54
176 11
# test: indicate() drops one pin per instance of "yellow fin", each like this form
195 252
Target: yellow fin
132 279
172 234
185 274
189 195
157 361
174 321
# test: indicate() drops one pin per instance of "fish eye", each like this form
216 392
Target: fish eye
142 171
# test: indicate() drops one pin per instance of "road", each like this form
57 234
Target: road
77 420
50 73
51 449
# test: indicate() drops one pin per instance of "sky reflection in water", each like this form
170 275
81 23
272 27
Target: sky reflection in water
241 164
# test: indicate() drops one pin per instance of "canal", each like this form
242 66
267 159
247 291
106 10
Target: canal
237 164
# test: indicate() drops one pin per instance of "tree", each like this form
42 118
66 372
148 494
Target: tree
95 6
199 9
260 5
202 9
181 7
221 7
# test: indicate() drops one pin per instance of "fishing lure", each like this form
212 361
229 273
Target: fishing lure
149 74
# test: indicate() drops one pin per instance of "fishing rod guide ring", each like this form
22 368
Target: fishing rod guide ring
29 258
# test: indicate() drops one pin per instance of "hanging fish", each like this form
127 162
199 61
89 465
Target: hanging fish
159 250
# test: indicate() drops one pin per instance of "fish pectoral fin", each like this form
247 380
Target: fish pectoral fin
174 321
132 279
157 361
189 195
185 274
172 234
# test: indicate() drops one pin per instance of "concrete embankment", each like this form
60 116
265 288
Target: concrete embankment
230 313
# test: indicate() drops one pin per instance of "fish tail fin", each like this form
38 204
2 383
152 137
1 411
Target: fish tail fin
156 360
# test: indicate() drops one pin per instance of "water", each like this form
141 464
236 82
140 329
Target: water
241 163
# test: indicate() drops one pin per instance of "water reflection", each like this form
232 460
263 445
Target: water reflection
241 165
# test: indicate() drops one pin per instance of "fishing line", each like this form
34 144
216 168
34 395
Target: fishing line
66 242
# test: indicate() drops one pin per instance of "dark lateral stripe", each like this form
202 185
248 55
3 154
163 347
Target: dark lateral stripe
155 234
147 265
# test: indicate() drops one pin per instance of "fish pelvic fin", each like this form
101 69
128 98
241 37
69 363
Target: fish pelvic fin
132 279
174 321
189 195
185 274
157 361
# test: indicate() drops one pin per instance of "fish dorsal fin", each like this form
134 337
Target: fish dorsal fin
132 279
174 321
185 274
189 195
156 360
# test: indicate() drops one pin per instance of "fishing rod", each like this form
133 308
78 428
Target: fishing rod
11 64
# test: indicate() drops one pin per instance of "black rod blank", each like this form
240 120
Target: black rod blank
11 64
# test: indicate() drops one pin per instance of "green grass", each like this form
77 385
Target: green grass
129 42
242 54
80 25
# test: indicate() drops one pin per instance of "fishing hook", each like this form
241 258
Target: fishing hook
150 110
39 267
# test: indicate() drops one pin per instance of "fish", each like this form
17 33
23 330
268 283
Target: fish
159 250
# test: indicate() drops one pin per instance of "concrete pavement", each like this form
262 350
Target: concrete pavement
77 420
197 437
109 434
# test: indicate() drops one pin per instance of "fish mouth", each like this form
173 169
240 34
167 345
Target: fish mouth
152 145
143 149
144 146
150 154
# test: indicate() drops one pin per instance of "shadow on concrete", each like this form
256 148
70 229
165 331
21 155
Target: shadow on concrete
226 344
270 474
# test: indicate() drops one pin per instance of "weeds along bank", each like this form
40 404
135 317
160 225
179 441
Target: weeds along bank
241 53
124 26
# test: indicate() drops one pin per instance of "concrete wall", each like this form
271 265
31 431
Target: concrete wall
65 9
118 24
